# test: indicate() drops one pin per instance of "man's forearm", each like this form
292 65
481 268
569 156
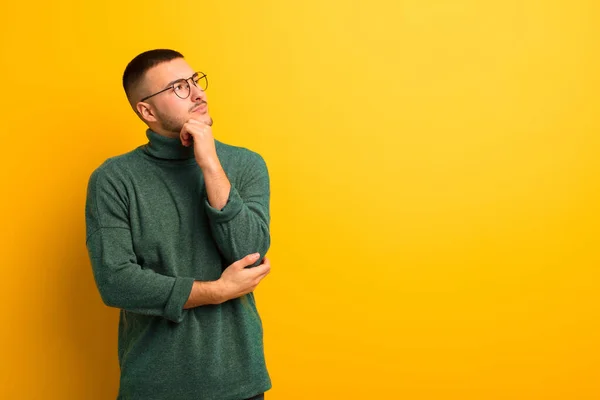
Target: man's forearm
217 186
242 226
204 293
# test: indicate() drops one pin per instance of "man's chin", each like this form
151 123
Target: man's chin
206 119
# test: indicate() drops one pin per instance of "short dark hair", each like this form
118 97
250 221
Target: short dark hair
136 69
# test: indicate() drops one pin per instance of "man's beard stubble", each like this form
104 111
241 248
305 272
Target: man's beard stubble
175 125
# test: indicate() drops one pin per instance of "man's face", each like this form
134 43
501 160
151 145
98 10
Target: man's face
166 111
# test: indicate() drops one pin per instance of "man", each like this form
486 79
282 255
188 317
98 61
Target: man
177 230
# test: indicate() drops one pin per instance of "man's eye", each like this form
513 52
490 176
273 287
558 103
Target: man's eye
178 86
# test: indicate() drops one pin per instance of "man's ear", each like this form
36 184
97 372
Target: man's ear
145 112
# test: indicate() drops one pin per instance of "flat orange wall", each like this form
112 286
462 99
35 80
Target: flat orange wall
435 174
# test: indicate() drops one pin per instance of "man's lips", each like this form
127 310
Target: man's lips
200 107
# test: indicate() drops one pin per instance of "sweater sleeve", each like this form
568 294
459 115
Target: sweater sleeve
242 226
121 281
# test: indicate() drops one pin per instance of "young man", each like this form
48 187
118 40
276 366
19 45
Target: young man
177 231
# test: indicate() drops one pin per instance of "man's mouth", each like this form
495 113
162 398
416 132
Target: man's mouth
200 107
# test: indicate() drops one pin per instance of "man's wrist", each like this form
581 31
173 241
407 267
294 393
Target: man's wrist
206 293
218 291
211 167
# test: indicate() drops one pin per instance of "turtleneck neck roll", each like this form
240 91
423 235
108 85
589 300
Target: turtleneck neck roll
166 148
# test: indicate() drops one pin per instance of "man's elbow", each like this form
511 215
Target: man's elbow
111 294
263 247
110 299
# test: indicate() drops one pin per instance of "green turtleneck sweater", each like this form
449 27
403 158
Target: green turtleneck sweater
150 233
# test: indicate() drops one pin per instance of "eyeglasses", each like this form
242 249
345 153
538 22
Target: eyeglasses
181 87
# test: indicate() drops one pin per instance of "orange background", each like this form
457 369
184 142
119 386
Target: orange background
435 188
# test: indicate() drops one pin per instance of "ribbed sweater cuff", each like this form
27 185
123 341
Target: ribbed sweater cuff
179 296
232 208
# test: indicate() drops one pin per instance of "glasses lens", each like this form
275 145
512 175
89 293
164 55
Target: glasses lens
182 88
201 81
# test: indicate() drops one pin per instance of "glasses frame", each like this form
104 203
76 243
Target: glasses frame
172 86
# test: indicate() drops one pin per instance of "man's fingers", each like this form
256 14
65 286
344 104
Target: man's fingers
185 136
263 269
194 124
263 276
246 261
192 127
266 263
195 121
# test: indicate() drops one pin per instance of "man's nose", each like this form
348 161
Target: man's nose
197 93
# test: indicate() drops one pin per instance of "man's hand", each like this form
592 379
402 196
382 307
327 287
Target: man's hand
200 135
237 280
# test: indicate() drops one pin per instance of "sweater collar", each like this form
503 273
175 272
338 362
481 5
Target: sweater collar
167 148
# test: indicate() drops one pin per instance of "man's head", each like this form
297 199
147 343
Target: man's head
165 111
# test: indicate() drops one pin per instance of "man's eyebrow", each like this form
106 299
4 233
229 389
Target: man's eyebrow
177 80
172 82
